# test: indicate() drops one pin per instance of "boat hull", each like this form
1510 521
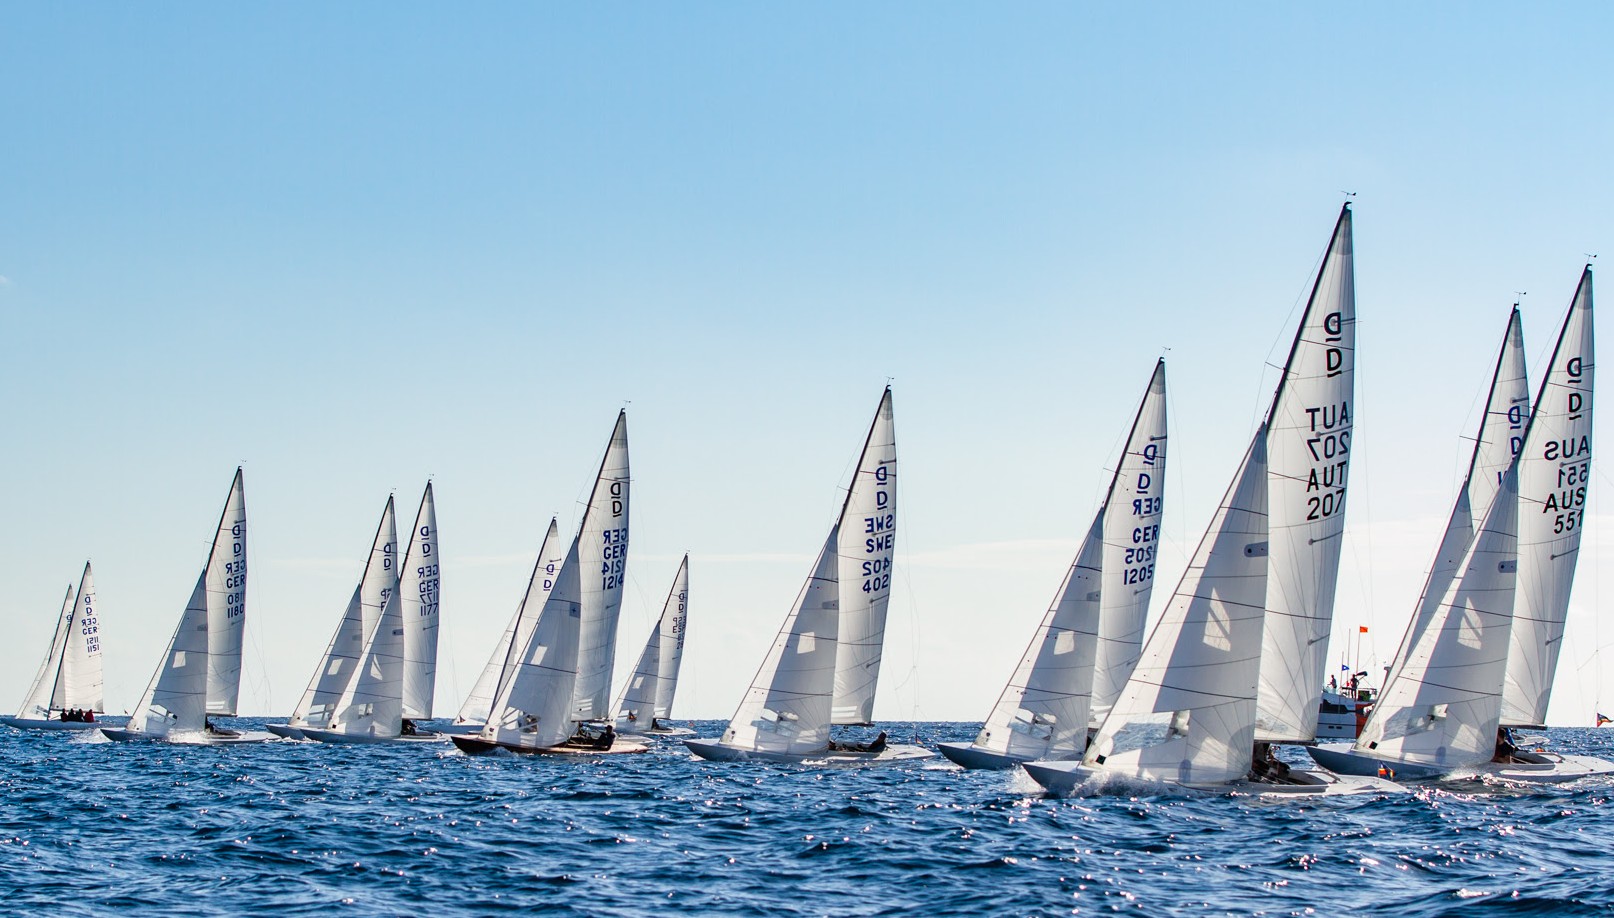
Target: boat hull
1064 778
1345 759
460 729
717 751
1552 768
972 756
120 735
475 745
365 739
29 723
284 731
665 731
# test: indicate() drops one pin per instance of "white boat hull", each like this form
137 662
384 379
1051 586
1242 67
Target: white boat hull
719 752
30 723
1552 768
458 729
664 731
366 739
1064 778
185 739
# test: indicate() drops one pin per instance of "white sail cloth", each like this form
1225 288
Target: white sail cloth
419 592
649 691
602 550
70 675
479 703
866 546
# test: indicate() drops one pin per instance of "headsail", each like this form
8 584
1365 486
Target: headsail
418 593
41 697
1501 435
649 691
1554 473
1187 714
787 707
1443 703
372 704
518 632
532 702
226 599
602 550
1308 448
340 662
868 532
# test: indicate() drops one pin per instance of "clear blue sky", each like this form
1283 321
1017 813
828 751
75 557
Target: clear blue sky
354 246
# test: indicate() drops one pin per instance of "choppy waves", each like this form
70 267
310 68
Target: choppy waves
302 829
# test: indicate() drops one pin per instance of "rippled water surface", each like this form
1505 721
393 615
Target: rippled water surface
290 828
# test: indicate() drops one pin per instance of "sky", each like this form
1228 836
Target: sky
354 247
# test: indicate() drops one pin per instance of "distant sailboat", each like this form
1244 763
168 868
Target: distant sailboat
824 664
1235 658
375 706
69 679
647 698
337 667
190 685
478 704
549 687
1088 642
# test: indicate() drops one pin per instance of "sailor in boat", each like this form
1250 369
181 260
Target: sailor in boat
408 728
1505 748
655 723
875 745
1266 767
591 736
214 730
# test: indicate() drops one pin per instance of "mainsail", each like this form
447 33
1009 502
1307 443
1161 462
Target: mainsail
1187 714
479 703
649 691
602 550
78 680
1308 450
226 598
178 697
418 594
336 668
1090 638
868 532
1554 473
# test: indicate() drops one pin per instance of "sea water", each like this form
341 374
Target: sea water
89 827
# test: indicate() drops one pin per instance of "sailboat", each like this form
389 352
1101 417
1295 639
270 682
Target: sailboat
69 678
549 694
823 666
648 696
200 672
478 705
336 669
375 705
1445 700
1231 662
1090 638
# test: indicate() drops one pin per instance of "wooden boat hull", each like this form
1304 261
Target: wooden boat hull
475 745
717 751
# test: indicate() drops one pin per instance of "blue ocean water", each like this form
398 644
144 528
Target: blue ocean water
281 828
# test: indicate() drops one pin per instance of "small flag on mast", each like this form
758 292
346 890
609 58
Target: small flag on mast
1603 719
1362 629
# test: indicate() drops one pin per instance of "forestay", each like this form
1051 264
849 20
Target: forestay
1187 714
649 690
867 543
1309 444
786 709
336 668
1554 473
418 592
518 632
1444 702
1501 434
226 600
602 551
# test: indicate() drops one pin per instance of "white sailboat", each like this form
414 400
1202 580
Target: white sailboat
1236 637
375 706
341 659
474 711
189 685
547 687
69 679
648 696
822 667
1440 712
1089 640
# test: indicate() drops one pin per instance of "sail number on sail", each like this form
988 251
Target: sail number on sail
1146 504
235 572
882 531
88 627
1330 440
